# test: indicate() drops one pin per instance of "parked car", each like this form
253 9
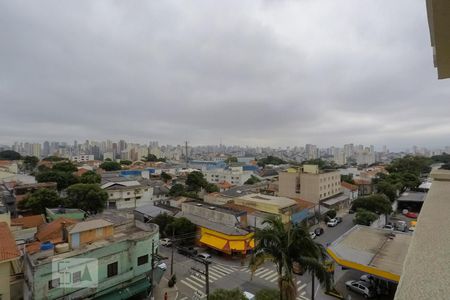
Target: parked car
318 231
401 226
312 235
360 287
188 251
165 242
332 223
411 215
338 219
367 278
162 266
204 255
390 227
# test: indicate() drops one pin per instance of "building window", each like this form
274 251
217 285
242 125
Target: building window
127 199
128 193
142 260
76 277
53 284
137 198
113 269
111 194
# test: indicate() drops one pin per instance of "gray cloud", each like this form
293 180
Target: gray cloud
267 73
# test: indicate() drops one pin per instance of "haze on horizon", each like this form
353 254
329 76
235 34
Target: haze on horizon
269 73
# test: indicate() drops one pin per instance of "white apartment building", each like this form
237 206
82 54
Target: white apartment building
233 175
127 193
82 158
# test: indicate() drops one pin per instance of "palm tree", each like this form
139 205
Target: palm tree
284 246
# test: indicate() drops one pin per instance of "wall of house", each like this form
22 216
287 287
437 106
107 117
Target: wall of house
125 253
4 280
213 215
129 198
289 184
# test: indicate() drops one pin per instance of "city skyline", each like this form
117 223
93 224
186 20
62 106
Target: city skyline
260 73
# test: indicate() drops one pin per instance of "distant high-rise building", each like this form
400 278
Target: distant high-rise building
46 149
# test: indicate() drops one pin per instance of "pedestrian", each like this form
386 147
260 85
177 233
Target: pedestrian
165 296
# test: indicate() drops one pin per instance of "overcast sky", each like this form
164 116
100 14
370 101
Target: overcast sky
272 73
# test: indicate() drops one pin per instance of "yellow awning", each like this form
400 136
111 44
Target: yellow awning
237 245
252 243
213 241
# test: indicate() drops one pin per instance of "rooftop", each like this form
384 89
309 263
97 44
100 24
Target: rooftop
28 221
223 209
349 186
151 210
371 250
89 225
8 248
243 190
199 221
412 196
426 269
281 202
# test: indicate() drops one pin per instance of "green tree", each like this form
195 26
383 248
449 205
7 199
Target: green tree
165 177
410 164
388 189
331 214
9 155
376 203
41 199
252 180
126 162
284 247
177 190
163 220
110 166
62 179
445 167
88 197
231 160
90 177
270 160
182 226
267 294
65 166
223 294
211 188
195 181
30 162
364 217
348 178
443 158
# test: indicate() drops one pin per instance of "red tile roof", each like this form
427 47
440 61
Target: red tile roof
303 203
8 248
349 186
53 230
361 181
29 221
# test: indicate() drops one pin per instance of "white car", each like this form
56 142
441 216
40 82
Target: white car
162 266
332 223
204 256
360 287
165 242
313 235
249 296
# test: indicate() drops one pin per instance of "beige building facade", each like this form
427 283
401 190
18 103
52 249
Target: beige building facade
309 183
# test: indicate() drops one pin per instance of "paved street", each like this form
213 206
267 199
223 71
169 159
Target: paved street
230 274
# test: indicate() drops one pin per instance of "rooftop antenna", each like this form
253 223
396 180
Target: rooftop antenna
186 148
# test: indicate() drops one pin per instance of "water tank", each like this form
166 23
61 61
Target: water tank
61 248
47 246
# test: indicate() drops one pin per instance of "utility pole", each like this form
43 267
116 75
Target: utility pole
312 287
186 148
152 267
204 273
173 242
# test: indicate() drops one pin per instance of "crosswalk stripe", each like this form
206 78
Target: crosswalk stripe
303 298
265 272
194 282
247 271
184 298
211 276
274 279
225 268
214 273
201 280
301 287
222 273
244 269
187 284
219 268
267 275
260 271
302 293
298 282
272 276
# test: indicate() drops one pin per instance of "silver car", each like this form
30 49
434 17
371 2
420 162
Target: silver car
360 287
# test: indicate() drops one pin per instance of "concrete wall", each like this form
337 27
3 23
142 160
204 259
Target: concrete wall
4 280
315 187
288 184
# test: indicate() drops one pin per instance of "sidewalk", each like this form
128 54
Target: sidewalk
162 288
